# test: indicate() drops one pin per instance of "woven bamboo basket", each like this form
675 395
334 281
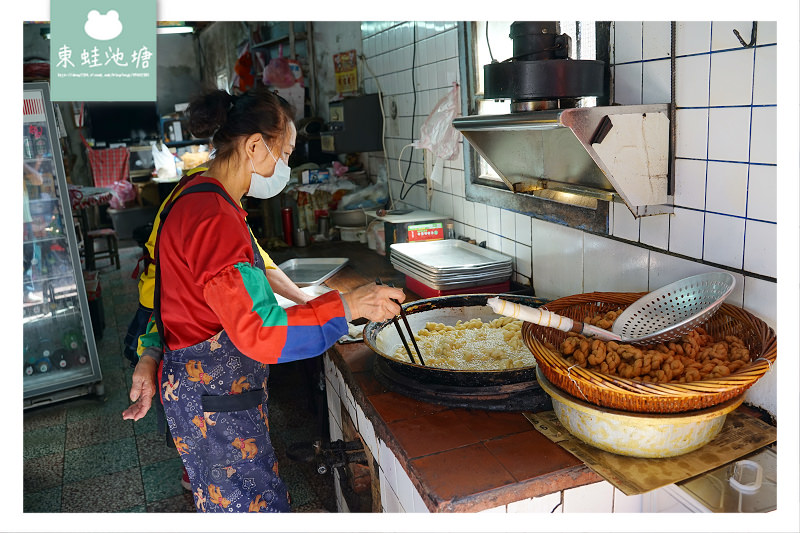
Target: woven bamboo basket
630 395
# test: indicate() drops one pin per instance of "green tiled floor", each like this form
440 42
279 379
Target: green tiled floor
80 456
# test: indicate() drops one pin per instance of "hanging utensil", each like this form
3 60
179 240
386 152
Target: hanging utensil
662 315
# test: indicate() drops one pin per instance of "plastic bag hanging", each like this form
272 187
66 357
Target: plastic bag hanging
278 72
438 135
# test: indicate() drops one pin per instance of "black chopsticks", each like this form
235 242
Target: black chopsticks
408 329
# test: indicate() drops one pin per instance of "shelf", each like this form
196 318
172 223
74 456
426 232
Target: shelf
298 36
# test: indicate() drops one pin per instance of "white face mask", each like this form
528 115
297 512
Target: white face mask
266 187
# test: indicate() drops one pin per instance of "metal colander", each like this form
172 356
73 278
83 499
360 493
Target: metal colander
675 309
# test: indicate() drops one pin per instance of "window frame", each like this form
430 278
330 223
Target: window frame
496 194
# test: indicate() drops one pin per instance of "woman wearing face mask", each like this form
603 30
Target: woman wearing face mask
217 315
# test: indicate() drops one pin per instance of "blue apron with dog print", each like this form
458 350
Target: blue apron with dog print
215 402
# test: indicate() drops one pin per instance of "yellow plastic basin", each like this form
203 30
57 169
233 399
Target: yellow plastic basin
637 434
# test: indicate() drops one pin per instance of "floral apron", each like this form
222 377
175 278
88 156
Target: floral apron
215 402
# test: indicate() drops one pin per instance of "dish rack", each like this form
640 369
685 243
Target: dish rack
631 395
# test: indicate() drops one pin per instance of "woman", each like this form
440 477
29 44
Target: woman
217 315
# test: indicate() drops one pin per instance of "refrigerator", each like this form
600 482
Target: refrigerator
59 352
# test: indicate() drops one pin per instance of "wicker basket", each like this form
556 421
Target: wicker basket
630 395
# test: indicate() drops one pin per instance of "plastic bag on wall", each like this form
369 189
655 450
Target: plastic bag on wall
438 135
278 72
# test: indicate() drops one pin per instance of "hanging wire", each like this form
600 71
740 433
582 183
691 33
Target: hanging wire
488 44
403 193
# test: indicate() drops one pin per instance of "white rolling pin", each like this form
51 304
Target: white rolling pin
542 317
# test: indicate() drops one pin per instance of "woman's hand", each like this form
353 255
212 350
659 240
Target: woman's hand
374 302
143 387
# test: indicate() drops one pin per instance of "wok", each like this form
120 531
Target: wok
383 339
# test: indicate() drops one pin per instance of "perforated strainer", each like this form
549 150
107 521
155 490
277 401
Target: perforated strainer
662 315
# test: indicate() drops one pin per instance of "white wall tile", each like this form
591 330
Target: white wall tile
656 36
469 232
494 242
508 224
726 191
522 254
481 235
690 183
732 77
691 81
765 78
761 299
523 228
458 209
767 32
388 464
493 219
480 216
664 269
406 491
760 248
627 504
686 233
628 84
762 193
541 504
594 498
509 248
764 135
611 265
692 37
722 36
729 133
656 82
557 259
625 226
390 501
655 231
469 212
723 240
627 41
691 133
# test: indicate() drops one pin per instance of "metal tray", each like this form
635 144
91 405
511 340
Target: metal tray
441 286
449 255
312 271
438 274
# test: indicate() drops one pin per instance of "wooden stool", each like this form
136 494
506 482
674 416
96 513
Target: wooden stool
112 246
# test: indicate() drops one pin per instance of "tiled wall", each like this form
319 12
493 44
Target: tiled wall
725 172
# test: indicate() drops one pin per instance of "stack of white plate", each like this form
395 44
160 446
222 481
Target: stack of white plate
450 264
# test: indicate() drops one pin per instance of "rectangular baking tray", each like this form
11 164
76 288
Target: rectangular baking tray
312 270
449 254
440 286
456 277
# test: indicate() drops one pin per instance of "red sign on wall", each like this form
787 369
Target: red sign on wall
426 232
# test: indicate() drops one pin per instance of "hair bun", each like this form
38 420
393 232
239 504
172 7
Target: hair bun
208 112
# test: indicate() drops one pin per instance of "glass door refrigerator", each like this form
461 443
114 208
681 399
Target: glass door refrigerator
59 352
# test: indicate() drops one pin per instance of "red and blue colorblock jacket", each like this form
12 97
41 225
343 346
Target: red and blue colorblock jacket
209 284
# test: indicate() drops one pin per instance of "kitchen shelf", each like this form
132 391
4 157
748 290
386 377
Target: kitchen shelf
299 36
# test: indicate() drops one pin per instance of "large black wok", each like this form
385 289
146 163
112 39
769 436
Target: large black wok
515 389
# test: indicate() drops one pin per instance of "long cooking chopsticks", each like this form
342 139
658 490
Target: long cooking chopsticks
408 329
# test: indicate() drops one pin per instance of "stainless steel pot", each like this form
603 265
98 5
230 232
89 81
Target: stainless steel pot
382 338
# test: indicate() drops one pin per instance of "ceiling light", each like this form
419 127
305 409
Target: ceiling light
174 29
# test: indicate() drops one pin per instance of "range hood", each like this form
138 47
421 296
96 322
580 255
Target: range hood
593 152
551 148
